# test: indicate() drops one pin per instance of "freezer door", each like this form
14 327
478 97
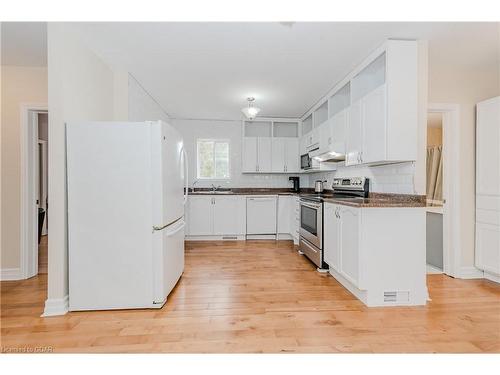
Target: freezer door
169 259
168 174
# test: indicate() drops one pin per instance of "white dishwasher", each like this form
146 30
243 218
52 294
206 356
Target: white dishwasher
261 215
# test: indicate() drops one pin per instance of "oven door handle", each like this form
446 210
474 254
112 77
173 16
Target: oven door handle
316 207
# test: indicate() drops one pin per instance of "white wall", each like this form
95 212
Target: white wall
141 105
191 130
80 88
19 85
393 178
465 86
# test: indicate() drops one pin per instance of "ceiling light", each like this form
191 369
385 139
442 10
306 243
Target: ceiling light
250 112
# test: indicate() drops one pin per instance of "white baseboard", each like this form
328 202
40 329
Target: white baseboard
471 273
491 277
432 270
7 274
57 306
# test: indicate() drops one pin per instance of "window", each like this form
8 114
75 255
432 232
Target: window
212 159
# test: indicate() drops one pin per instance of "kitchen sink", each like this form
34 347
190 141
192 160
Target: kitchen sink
211 192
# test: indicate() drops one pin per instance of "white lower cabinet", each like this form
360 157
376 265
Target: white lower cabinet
284 211
200 216
215 215
377 253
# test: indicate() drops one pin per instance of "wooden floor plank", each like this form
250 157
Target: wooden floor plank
259 297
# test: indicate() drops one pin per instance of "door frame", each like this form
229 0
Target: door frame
29 212
452 246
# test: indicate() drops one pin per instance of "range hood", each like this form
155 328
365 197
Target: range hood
329 156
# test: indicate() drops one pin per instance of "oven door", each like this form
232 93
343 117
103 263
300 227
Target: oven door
311 222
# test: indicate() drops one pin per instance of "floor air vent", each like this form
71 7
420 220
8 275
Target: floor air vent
393 297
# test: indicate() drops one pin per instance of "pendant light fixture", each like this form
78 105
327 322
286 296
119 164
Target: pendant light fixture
250 112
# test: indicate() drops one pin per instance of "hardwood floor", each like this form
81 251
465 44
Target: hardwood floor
259 296
43 254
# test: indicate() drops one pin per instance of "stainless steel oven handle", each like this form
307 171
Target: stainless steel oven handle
311 205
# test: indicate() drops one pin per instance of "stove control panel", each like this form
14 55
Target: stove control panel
351 183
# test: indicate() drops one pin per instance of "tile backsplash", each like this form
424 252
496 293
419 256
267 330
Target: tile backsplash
392 178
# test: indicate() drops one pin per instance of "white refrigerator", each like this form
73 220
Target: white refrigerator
127 188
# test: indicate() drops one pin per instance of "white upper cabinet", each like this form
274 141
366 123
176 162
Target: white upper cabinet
270 146
354 134
374 126
249 156
264 148
278 155
292 163
379 107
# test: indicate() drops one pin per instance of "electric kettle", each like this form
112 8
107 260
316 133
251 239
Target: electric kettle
318 186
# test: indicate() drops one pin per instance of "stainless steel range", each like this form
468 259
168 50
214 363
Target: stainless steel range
311 215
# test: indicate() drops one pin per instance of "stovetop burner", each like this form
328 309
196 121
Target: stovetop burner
354 187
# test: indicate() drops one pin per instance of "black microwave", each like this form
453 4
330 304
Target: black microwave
305 161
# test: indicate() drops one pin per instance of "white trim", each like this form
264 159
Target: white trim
491 277
44 163
452 246
7 274
432 270
29 251
59 306
471 272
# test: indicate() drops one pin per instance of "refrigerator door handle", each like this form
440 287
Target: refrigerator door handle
161 227
186 175
176 230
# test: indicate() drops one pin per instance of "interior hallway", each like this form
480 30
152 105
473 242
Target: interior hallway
260 296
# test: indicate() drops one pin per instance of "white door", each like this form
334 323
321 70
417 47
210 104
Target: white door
173 174
249 157
261 215
278 155
349 243
292 162
200 215
488 247
226 220
487 148
354 134
374 126
339 125
284 213
332 236
264 154
172 261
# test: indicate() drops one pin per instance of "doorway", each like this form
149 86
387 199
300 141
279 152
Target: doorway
34 186
434 192
443 190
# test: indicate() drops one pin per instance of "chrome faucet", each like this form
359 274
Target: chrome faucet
215 188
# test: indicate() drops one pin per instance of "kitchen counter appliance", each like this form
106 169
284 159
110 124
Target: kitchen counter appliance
311 216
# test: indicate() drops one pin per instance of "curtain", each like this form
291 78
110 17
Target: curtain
435 175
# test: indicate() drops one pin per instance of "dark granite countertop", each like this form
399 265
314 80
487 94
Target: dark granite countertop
374 199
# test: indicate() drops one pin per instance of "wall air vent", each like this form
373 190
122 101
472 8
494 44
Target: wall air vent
396 296
229 237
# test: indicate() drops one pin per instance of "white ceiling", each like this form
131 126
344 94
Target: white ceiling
206 70
24 43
